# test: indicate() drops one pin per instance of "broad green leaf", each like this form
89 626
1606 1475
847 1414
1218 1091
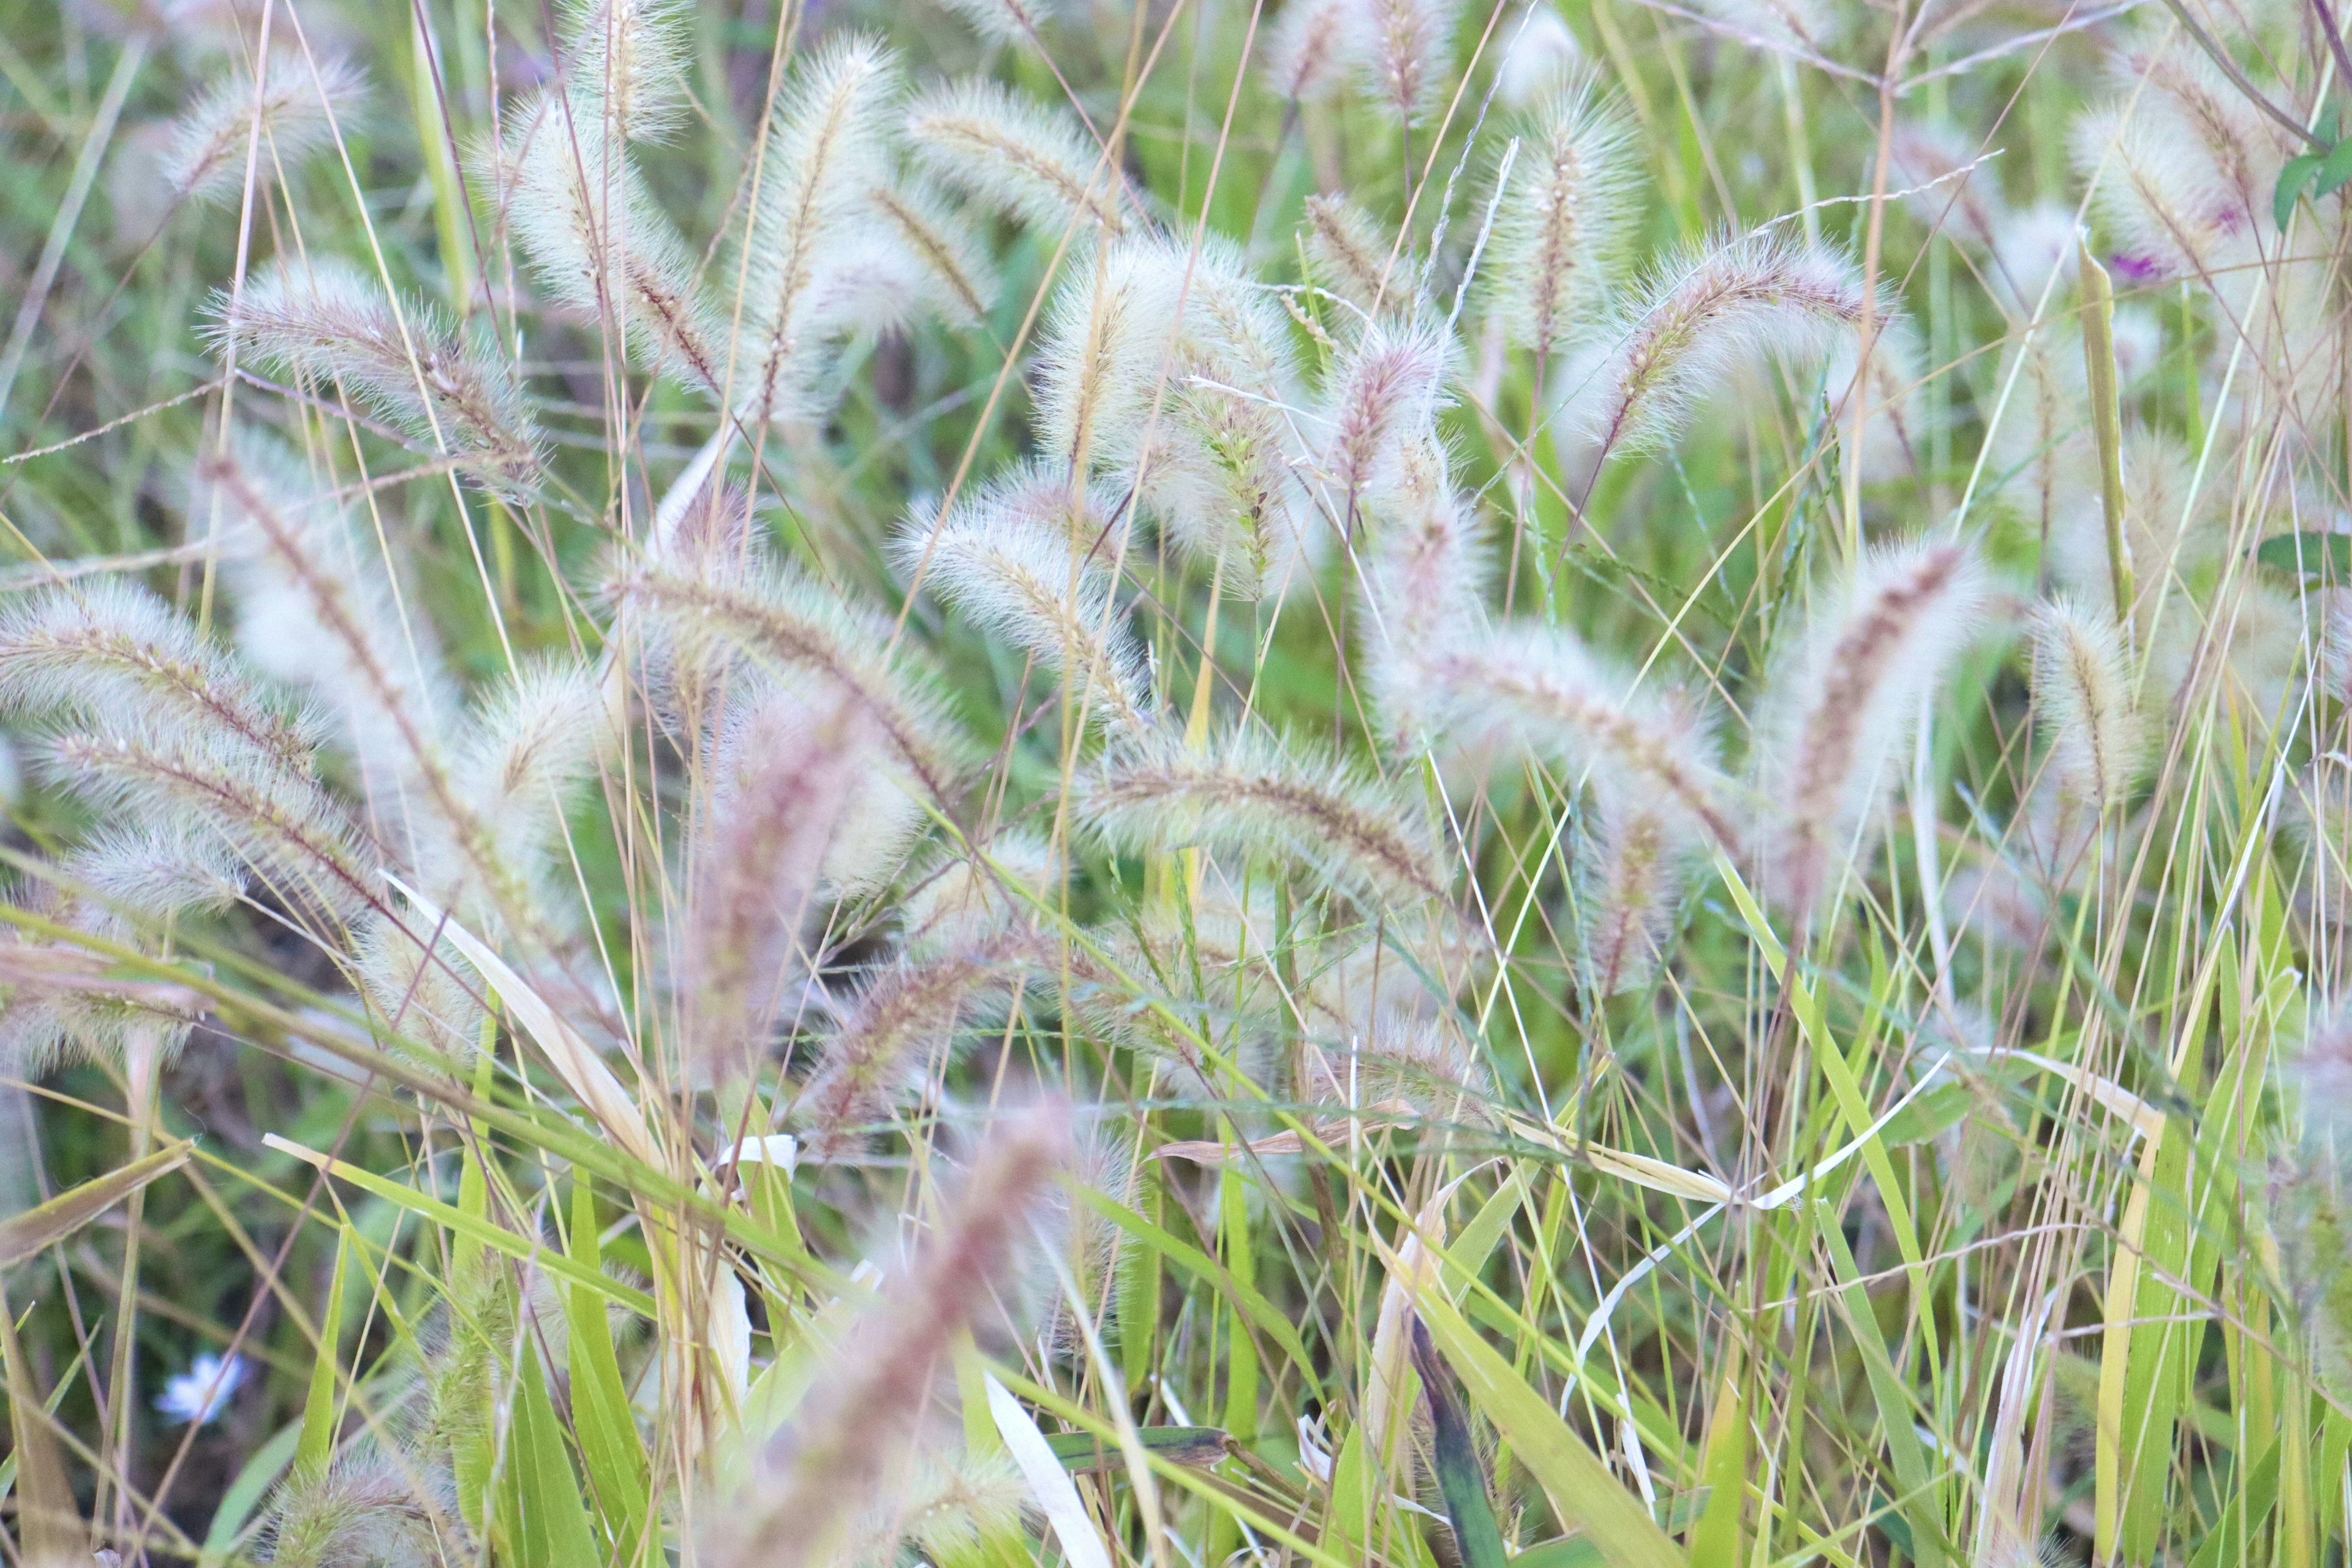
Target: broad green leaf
1461 1479
317 1444
2334 170
602 1421
1081 1452
1714 1543
541 1516
1582 1489
2294 174
472 1227
2309 554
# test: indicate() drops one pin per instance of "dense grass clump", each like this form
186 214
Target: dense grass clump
1034 782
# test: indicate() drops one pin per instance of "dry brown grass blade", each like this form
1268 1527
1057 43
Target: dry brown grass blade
24 1235
49 1529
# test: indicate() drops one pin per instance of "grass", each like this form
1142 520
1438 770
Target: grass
1314 852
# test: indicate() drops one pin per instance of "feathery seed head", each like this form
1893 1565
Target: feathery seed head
1381 403
632 56
772 620
108 648
1108 353
595 238
1705 314
1424 590
1632 875
1247 794
323 320
1025 582
822 1470
1308 58
295 109
827 147
1540 689
1840 702
1561 224
1895 406
1014 22
784 777
1406 49
959 280
1006 151
2083 690
416 995
965 902
1349 254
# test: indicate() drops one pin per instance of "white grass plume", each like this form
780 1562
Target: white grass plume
1018 157
963 902
285 826
1406 49
632 56
1705 314
596 240
962 282
1895 411
1247 794
523 753
776 621
2083 691
827 145
319 609
2160 192
1543 690
880 1048
781 785
1025 582
1016 22
1348 253
110 648
1424 586
326 320
1561 230
846 1435
1839 702
155 872
415 995
1224 476
1311 51
209 141
1631 868
1107 345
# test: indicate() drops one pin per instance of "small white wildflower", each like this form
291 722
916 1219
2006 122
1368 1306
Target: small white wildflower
197 1396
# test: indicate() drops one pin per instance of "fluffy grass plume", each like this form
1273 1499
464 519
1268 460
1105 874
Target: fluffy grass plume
1018 782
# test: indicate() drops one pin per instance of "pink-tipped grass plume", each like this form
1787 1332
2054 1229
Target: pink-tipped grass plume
1702 315
1247 794
1561 224
1840 702
849 1433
